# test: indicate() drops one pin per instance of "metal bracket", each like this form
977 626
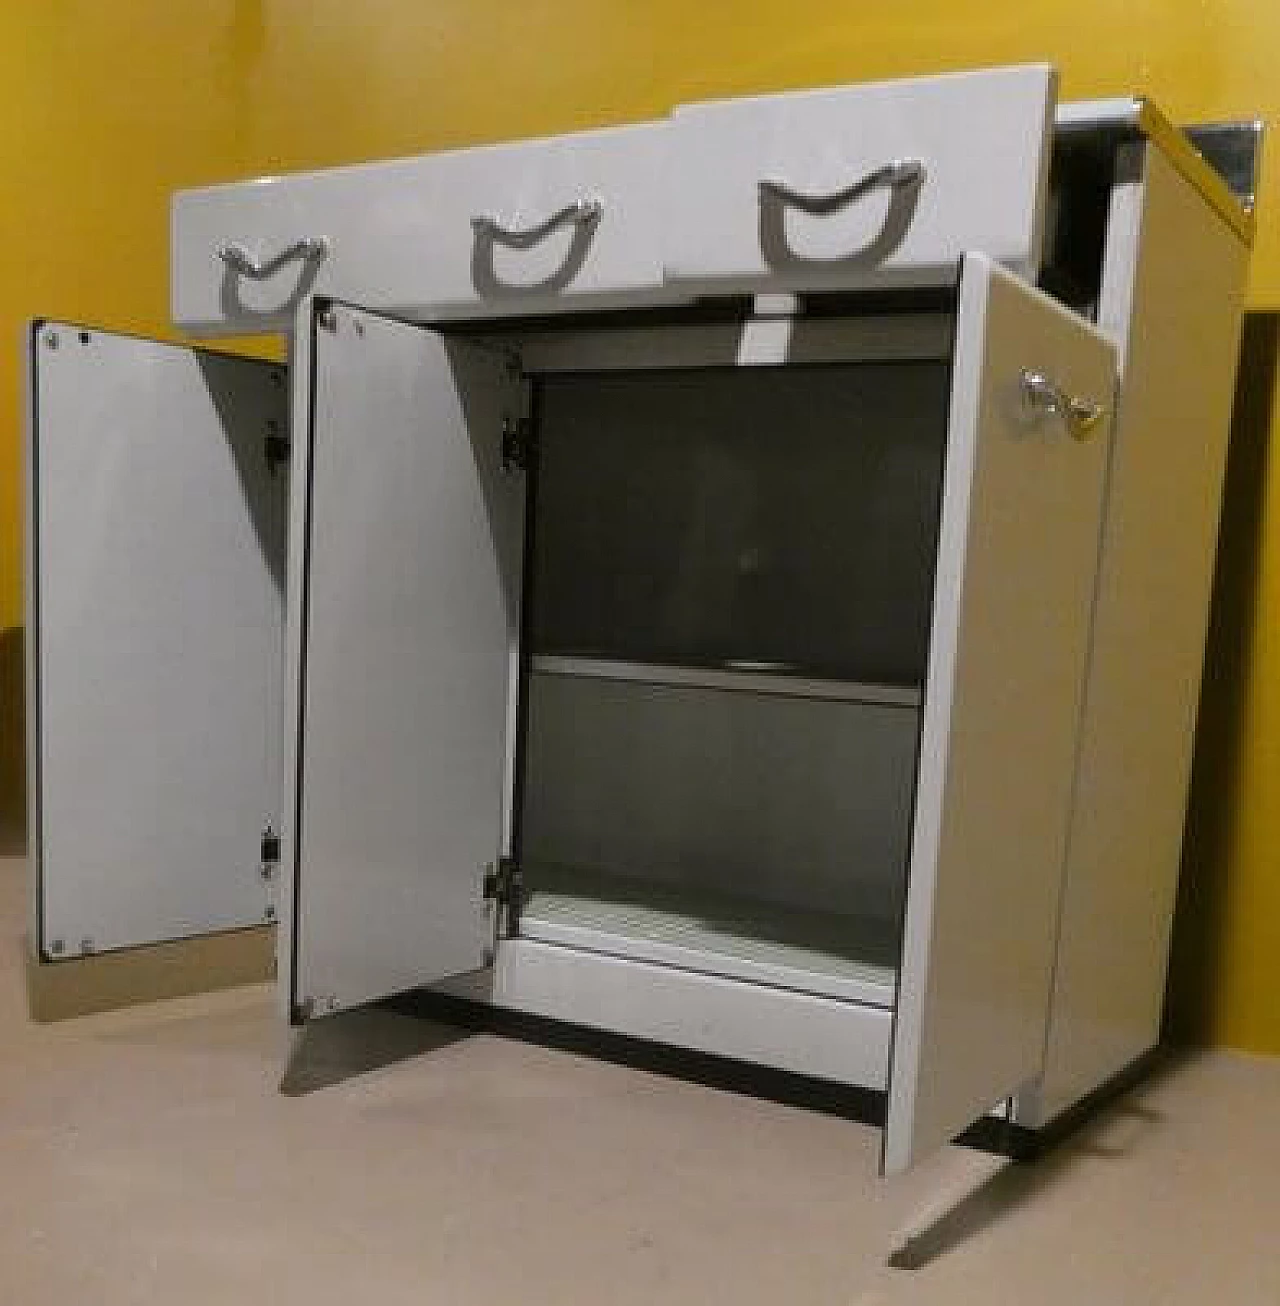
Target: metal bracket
275 448
519 444
269 853
504 884
308 1008
1234 150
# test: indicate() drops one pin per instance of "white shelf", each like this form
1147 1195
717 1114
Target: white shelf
826 953
745 677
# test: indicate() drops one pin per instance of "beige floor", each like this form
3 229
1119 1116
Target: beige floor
149 1156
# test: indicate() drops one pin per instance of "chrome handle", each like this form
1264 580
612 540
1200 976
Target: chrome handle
581 213
1042 398
896 175
238 258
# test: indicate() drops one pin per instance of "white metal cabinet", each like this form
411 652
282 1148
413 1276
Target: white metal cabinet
155 580
511 228
409 649
880 184
403 681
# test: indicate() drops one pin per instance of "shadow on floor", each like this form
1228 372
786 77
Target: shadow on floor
1112 1136
332 1049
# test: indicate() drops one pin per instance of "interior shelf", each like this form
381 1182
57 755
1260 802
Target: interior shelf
743 677
834 954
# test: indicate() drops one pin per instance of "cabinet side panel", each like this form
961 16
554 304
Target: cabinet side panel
1172 301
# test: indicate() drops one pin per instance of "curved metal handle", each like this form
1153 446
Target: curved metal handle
581 213
896 175
238 258
1041 397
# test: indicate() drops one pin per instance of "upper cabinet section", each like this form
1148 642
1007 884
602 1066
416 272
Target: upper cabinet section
495 230
866 186
877 185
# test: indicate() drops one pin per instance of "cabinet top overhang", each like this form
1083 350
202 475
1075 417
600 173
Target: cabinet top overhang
1219 159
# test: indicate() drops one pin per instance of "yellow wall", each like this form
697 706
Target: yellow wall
106 107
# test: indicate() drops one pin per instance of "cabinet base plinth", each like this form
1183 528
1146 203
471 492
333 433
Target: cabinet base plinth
846 1101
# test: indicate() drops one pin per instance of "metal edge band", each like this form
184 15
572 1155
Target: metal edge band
752 680
1194 168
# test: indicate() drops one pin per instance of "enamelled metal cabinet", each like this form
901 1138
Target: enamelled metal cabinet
737 582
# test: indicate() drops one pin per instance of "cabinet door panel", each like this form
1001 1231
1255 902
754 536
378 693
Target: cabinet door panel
1017 559
154 583
407 620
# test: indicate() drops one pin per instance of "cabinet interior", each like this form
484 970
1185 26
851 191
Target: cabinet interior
728 591
1082 175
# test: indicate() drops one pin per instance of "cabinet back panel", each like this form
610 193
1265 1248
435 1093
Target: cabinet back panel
784 516
802 803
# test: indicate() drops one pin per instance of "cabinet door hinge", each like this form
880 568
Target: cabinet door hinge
269 853
505 883
275 449
519 444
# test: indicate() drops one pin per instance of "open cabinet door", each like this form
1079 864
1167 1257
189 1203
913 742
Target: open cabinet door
155 566
407 627
1017 556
